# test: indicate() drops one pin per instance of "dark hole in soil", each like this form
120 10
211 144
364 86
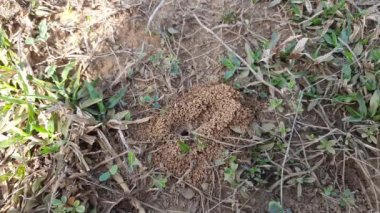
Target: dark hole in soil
184 133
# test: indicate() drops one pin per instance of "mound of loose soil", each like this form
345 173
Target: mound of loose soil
206 111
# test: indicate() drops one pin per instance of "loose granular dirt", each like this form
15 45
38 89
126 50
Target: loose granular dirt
207 111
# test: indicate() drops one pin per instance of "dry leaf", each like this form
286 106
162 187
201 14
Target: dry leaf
238 129
308 6
300 47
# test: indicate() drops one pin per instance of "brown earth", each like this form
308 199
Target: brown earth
206 111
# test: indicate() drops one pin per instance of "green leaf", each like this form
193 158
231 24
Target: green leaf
274 40
13 100
76 203
345 35
353 112
64 199
349 56
80 209
346 71
375 55
105 176
132 160
113 169
89 102
94 94
116 98
328 39
54 148
66 70
183 147
56 202
374 103
362 106
4 41
123 115
43 29
92 91
228 74
275 207
231 63
345 98
146 99
5 177
160 182
29 41
20 172
11 141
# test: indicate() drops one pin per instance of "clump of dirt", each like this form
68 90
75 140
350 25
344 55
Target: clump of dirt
201 115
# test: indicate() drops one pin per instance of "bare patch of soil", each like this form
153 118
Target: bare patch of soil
207 111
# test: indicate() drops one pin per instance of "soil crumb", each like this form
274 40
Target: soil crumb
195 120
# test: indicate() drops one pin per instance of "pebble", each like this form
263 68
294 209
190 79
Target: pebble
187 193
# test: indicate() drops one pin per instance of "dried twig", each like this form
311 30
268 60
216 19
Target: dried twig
153 14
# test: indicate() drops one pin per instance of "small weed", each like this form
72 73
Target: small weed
375 56
327 146
160 182
148 100
261 168
174 66
107 175
169 63
201 145
132 161
275 207
276 104
230 171
156 59
229 17
300 181
369 133
347 198
232 63
65 205
42 36
329 191
183 147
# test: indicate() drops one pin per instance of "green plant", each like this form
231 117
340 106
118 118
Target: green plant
369 133
276 104
230 171
43 34
375 55
133 162
91 99
300 181
147 100
107 175
169 63
229 17
232 63
347 198
183 147
63 205
275 207
258 171
329 191
160 182
327 146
